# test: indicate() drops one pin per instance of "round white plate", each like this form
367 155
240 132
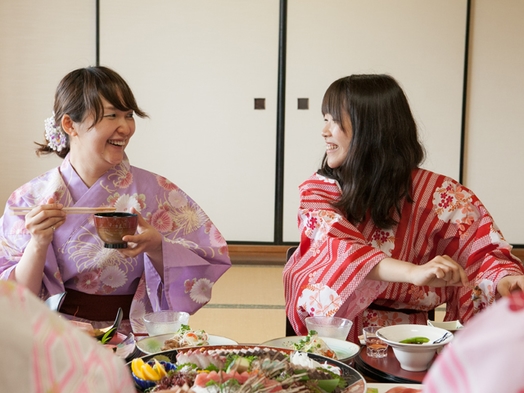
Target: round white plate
344 350
153 344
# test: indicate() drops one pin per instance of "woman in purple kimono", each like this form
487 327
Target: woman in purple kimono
172 261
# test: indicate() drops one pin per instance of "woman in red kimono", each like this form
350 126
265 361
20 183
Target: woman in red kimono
382 240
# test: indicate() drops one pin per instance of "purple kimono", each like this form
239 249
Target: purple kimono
195 254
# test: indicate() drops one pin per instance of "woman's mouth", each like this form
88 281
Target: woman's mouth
115 142
331 147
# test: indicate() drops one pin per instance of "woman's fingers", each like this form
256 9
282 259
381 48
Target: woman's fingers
449 271
44 219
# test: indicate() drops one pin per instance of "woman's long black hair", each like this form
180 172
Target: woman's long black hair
376 175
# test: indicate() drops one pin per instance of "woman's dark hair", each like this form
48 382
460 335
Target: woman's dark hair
79 94
376 174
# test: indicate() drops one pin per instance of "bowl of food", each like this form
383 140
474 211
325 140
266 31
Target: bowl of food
147 374
166 321
341 350
415 346
113 226
334 327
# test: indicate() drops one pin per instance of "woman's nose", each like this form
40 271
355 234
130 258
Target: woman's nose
124 127
325 131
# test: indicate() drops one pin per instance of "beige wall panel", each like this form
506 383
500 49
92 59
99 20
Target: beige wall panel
495 137
420 43
196 68
40 42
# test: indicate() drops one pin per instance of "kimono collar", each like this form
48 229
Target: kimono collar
74 182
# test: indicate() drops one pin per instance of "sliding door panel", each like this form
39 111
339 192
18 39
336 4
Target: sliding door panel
199 68
419 43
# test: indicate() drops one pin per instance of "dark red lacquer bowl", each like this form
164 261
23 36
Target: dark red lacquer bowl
112 227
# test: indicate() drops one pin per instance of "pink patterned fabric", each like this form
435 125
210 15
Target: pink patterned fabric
327 273
195 254
43 353
484 357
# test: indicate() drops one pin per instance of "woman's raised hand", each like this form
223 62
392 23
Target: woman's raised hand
43 220
441 271
147 240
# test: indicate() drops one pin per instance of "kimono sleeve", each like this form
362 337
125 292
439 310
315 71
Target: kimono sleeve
326 275
195 256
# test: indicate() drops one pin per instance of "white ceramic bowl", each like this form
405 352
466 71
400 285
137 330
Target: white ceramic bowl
414 357
334 327
163 322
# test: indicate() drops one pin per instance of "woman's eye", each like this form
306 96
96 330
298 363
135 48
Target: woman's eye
111 115
131 115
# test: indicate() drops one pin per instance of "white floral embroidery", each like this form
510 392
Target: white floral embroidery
113 276
126 202
201 291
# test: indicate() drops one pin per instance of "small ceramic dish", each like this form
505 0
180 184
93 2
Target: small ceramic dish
144 384
451 326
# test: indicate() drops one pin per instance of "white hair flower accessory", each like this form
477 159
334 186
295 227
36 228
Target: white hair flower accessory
56 138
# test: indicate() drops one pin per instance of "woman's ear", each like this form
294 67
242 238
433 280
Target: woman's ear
68 125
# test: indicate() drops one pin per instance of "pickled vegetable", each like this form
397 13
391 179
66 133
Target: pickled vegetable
415 340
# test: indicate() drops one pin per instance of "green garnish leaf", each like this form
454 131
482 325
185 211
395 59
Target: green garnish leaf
107 336
328 384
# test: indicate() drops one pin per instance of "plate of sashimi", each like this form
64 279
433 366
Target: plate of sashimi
246 369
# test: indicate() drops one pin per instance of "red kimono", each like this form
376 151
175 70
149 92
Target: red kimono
327 273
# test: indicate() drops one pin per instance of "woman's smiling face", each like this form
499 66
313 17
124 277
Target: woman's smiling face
96 149
106 141
337 140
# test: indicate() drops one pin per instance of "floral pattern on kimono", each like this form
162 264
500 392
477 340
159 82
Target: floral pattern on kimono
327 273
195 254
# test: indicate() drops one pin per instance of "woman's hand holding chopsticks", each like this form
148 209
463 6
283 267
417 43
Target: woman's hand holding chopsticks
41 222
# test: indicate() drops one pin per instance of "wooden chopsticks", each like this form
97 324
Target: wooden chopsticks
21 211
